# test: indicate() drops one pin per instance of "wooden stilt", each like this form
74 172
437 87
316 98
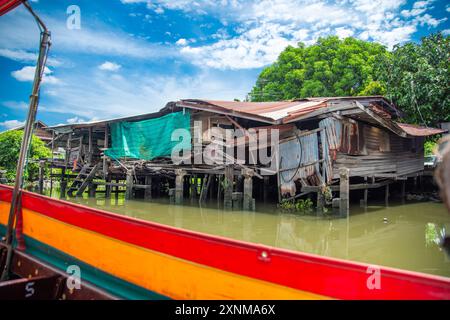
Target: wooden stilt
320 201
148 189
105 146
179 184
41 176
363 202
92 190
248 189
63 184
117 190
108 187
129 183
386 196
228 187
266 186
344 191
192 186
403 194
219 188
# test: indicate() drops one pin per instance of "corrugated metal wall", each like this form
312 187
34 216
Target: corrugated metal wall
299 160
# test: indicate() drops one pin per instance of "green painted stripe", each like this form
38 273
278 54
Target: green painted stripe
112 284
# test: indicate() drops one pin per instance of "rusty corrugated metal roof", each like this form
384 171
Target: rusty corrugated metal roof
418 131
278 111
264 111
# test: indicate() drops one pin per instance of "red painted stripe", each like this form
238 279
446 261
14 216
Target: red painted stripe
8 5
326 276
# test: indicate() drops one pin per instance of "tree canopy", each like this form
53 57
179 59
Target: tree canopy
415 76
9 153
331 67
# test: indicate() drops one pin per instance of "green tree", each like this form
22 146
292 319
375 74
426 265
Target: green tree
9 153
416 77
331 67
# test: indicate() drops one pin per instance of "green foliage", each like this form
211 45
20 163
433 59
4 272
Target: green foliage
331 67
430 146
299 206
416 77
10 142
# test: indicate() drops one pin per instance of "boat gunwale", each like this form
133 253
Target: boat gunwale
360 267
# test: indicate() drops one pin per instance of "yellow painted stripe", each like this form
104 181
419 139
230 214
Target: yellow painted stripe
161 273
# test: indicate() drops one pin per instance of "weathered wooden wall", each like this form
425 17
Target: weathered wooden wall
382 154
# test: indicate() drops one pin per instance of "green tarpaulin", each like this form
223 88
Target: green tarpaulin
148 139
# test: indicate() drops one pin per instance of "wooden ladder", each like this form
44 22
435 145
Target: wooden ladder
80 183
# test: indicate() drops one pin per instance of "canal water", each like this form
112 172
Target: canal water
402 236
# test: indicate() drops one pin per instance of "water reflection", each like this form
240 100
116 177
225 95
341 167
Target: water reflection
402 236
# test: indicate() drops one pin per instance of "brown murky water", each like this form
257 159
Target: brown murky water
408 239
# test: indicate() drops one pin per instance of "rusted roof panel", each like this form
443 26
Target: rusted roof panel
269 110
418 131
281 111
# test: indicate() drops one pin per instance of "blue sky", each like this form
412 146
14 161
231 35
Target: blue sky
133 56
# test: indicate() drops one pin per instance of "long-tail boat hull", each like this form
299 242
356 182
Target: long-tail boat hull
134 259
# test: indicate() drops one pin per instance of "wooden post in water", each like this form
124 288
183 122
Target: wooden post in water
386 196
90 150
403 190
148 188
363 201
344 191
228 187
219 187
179 184
320 200
63 184
108 187
92 190
129 183
105 146
248 189
193 186
266 186
41 176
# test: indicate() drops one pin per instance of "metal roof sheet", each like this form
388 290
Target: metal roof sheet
419 131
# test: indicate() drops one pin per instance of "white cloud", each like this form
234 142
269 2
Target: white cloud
343 32
109 66
266 27
15 105
255 48
26 56
11 124
422 4
427 19
75 120
181 42
18 55
27 74
94 94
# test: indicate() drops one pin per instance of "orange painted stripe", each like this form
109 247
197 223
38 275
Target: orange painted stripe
161 273
297 270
